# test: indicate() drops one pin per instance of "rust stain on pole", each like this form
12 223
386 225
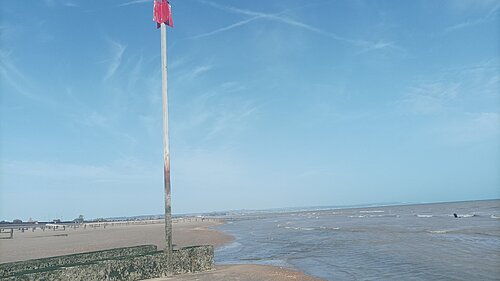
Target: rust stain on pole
166 149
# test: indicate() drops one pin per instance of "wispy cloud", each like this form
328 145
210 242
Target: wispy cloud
14 77
378 46
66 3
49 3
478 127
115 59
217 113
71 4
177 62
225 28
15 81
453 88
192 73
106 123
278 17
107 118
490 16
200 70
230 119
480 79
94 119
430 97
7 32
134 2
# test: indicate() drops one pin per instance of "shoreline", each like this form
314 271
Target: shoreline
41 244
242 272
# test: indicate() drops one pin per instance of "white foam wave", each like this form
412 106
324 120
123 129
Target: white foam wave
464 216
495 216
372 211
230 246
306 228
280 225
299 228
424 216
467 216
329 228
375 216
439 231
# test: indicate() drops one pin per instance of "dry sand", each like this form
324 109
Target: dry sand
39 244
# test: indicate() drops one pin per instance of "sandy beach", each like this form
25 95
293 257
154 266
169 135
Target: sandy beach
246 272
39 244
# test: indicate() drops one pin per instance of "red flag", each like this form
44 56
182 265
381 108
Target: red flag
162 13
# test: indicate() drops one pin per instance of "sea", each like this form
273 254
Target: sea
396 242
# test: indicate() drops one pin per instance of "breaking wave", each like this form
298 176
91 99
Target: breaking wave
424 216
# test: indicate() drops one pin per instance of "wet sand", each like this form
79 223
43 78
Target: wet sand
246 272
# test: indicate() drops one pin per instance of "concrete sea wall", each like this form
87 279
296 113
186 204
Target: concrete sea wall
132 263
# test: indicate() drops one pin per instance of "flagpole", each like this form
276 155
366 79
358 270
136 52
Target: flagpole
166 150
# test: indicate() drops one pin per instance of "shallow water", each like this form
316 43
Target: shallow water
411 242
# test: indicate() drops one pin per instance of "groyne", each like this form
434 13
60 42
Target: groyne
129 263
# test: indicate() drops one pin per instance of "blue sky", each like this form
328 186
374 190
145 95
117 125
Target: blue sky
273 103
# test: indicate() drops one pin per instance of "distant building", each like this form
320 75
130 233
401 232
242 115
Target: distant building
80 219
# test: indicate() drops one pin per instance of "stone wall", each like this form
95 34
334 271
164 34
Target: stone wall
193 259
7 269
141 262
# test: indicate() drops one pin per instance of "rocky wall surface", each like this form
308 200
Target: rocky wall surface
135 267
193 259
7 269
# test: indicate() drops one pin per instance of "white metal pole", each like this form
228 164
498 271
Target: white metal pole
166 149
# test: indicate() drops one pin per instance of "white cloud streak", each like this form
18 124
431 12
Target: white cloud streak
195 72
225 28
12 76
490 16
219 113
134 2
66 3
230 119
71 4
117 51
200 70
278 17
430 98
452 88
